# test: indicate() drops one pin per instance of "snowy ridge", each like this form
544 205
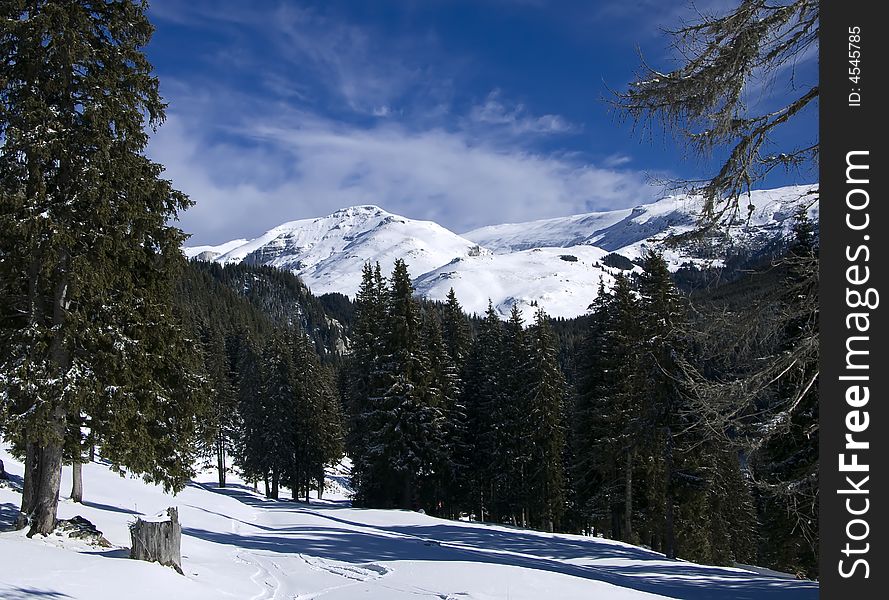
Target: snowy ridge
238 545
623 231
554 264
329 252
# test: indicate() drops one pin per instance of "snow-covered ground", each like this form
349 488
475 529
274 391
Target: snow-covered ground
236 544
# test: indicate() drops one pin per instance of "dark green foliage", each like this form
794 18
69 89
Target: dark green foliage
87 259
544 406
618 261
277 298
219 426
401 387
482 395
645 466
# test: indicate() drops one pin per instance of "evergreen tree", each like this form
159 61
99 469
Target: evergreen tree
544 411
455 331
703 100
279 401
440 388
482 395
252 452
405 421
317 427
220 423
87 258
512 429
364 370
609 414
458 446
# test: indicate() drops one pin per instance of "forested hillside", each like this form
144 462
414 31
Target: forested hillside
649 420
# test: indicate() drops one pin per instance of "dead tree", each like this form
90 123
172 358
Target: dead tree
158 541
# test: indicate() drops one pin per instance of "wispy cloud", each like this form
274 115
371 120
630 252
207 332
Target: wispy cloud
300 165
497 111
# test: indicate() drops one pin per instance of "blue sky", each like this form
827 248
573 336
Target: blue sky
466 112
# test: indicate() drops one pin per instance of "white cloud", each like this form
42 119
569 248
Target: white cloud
298 165
252 160
516 118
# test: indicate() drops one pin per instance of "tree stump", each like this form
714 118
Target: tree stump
158 540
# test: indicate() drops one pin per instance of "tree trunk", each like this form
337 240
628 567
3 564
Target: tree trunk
45 499
158 541
30 481
628 498
406 493
77 479
92 453
42 515
274 495
220 460
268 491
669 535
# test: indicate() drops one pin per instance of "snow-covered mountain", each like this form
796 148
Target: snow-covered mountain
555 264
625 231
328 252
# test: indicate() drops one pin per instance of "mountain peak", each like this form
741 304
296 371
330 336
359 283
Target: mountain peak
361 210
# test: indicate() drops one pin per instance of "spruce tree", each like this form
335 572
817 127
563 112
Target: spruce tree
609 414
512 428
279 399
482 394
544 412
87 258
251 449
220 423
405 420
459 448
364 375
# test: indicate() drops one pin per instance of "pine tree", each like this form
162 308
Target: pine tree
317 421
364 376
455 331
482 394
250 453
512 453
609 414
87 259
544 412
279 398
220 423
405 421
663 325
444 489
456 337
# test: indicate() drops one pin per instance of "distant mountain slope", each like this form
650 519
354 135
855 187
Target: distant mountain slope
329 252
562 281
624 230
513 264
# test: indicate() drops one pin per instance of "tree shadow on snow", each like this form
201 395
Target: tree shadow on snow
9 513
478 543
108 507
20 593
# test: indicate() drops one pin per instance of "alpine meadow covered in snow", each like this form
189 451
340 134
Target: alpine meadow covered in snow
613 394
